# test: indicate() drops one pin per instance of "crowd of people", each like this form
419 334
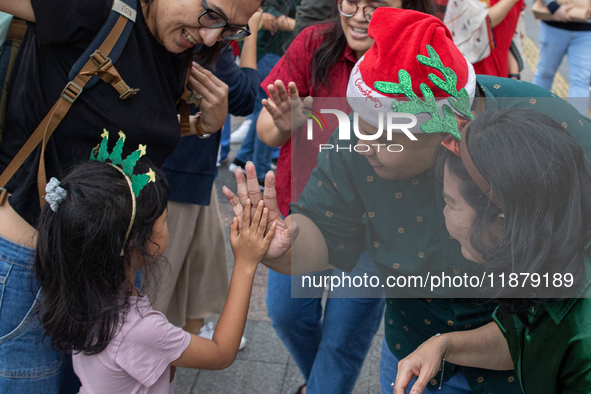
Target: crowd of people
110 267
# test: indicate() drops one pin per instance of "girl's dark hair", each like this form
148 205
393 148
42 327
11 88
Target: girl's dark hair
543 181
334 41
83 277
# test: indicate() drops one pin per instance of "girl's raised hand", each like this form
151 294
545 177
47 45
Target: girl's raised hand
249 243
279 106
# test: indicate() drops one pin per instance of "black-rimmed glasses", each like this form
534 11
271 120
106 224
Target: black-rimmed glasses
349 8
214 20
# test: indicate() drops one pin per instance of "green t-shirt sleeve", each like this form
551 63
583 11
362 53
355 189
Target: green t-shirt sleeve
331 200
575 372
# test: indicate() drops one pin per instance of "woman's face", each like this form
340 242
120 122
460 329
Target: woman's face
459 215
415 157
174 23
355 27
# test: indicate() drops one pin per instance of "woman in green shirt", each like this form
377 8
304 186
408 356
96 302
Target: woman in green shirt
536 220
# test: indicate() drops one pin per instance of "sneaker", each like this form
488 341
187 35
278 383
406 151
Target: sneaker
240 133
207 332
235 164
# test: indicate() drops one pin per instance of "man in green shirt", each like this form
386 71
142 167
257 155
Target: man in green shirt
389 204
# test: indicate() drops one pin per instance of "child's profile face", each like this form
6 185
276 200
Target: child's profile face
159 236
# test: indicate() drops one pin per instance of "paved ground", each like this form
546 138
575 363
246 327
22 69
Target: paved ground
265 365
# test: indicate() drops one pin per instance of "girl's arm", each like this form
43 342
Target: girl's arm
249 245
19 8
499 11
484 347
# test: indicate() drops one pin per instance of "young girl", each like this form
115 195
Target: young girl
535 220
94 234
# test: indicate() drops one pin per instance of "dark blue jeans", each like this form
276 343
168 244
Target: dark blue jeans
329 351
252 148
27 363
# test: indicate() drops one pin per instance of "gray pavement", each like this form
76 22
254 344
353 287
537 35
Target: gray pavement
265 365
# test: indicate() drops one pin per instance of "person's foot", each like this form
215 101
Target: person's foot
240 133
235 164
301 389
207 332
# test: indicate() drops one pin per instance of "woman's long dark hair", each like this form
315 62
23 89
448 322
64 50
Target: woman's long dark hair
83 277
543 181
334 41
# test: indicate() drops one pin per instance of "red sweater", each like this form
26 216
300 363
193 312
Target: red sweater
296 66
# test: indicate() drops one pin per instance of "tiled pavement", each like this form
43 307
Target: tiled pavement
265 365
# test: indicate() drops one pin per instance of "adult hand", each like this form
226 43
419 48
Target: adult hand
279 106
424 362
249 189
561 14
214 98
269 22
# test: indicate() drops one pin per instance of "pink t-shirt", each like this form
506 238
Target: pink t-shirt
138 358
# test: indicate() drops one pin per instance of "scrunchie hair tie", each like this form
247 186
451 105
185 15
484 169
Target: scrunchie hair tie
55 194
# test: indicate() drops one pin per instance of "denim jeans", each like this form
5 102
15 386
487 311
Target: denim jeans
225 141
329 351
554 44
27 363
252 148
457 384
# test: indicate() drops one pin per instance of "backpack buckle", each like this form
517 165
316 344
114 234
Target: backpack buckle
99 59
128 93
194 99
71 92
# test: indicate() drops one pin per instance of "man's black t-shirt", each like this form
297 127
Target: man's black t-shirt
63 30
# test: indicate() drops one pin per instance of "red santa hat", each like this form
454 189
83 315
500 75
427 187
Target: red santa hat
401 37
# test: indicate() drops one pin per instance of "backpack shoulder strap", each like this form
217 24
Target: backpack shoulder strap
95 62
126 8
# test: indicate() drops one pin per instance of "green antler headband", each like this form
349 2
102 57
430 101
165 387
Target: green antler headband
459 99
136 182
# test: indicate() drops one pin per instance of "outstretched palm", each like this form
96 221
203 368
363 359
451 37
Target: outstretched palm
285 106
249 189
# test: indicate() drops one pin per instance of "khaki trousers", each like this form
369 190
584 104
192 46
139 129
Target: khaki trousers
194 282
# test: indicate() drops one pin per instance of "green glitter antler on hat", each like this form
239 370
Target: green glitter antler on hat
100 153
459 100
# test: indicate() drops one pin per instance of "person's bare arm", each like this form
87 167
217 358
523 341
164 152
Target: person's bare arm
285 23
249 244
268 132
484 347
499 11
248 55
19 8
